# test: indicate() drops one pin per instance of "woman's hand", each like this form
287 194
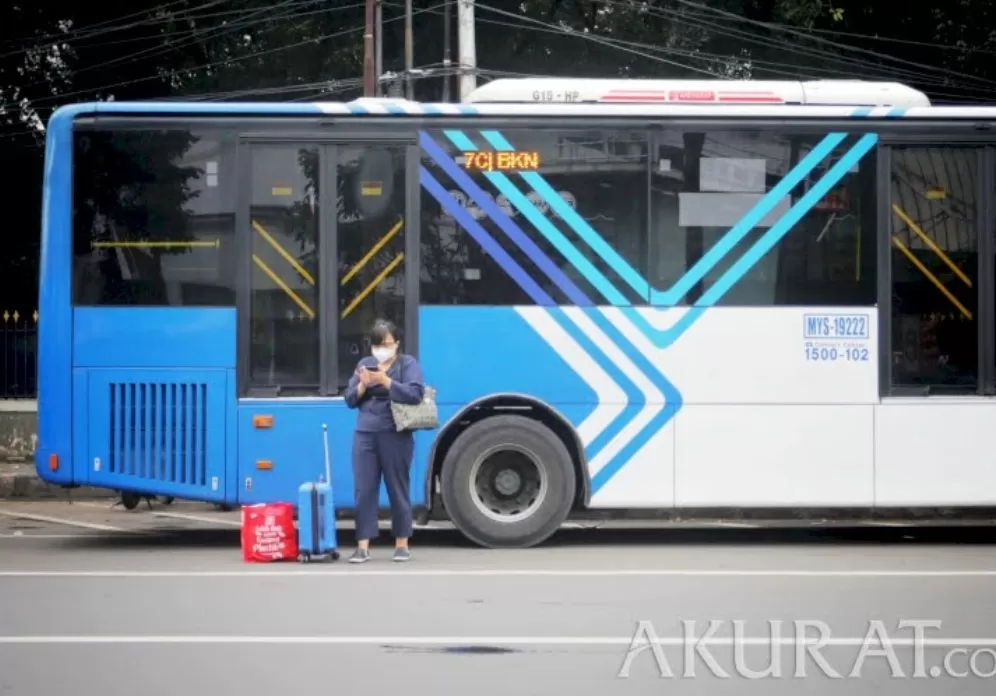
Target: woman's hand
378 377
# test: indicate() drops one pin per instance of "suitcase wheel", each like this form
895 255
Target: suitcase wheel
335 555
303 557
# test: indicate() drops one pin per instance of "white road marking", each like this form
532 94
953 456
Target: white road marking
61 521
199 519
22 536
346 570
486 641
385 524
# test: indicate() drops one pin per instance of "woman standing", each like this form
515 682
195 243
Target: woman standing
378 448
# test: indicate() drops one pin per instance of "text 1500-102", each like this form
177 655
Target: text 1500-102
832 354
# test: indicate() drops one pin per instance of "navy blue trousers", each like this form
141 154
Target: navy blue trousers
386 455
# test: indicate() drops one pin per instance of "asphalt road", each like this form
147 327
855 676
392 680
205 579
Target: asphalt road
101 601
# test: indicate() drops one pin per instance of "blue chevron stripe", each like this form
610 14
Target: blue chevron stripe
672 397
549 231
587 233
663 338
574 220
557 239
508 227
672 401
634 396
756 214
713 256
489 244
460 140
713 294
790 219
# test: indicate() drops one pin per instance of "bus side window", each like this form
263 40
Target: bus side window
154 218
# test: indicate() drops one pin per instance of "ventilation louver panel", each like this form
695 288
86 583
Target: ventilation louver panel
159 431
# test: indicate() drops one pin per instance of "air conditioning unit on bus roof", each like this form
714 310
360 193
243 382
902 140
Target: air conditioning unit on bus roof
699 92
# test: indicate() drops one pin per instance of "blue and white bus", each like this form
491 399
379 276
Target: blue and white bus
629 296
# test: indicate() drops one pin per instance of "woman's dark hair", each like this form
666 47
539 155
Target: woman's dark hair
381 329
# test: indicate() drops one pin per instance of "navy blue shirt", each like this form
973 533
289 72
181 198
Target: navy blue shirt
375 404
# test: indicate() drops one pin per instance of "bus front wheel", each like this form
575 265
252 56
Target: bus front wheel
507 481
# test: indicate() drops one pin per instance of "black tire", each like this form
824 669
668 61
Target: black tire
534 442
130 499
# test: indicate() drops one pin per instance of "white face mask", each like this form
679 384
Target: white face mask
383 354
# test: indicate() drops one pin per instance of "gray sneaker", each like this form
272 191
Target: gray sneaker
401 554
360 556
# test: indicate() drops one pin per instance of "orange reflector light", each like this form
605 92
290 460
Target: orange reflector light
264 464
262 421
53 462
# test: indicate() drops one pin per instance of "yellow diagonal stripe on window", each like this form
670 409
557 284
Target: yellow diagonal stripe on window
373 251
283 253
929 275
373 285
157 244
284 286
930 243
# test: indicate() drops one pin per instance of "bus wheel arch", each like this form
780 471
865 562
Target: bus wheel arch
509 469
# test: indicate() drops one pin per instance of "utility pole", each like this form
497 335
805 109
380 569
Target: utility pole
467 49
369 84
409 53
446 50
379 41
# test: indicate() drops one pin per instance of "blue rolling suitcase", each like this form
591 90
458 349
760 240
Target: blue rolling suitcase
316 537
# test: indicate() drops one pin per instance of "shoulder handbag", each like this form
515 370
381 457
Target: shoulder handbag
420 416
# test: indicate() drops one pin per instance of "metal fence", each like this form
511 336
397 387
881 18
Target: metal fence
19 340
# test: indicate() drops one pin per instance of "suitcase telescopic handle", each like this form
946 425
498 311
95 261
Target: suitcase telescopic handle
325 442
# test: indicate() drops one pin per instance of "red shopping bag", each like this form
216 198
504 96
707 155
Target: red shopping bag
268 532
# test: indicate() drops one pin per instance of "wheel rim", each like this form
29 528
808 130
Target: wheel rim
508 483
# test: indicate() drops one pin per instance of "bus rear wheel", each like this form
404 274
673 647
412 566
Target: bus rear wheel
508 481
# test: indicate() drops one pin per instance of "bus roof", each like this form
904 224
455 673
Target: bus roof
700 92
66 115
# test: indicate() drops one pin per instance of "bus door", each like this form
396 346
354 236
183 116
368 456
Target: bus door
328 247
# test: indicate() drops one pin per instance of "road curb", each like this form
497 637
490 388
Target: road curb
31 487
